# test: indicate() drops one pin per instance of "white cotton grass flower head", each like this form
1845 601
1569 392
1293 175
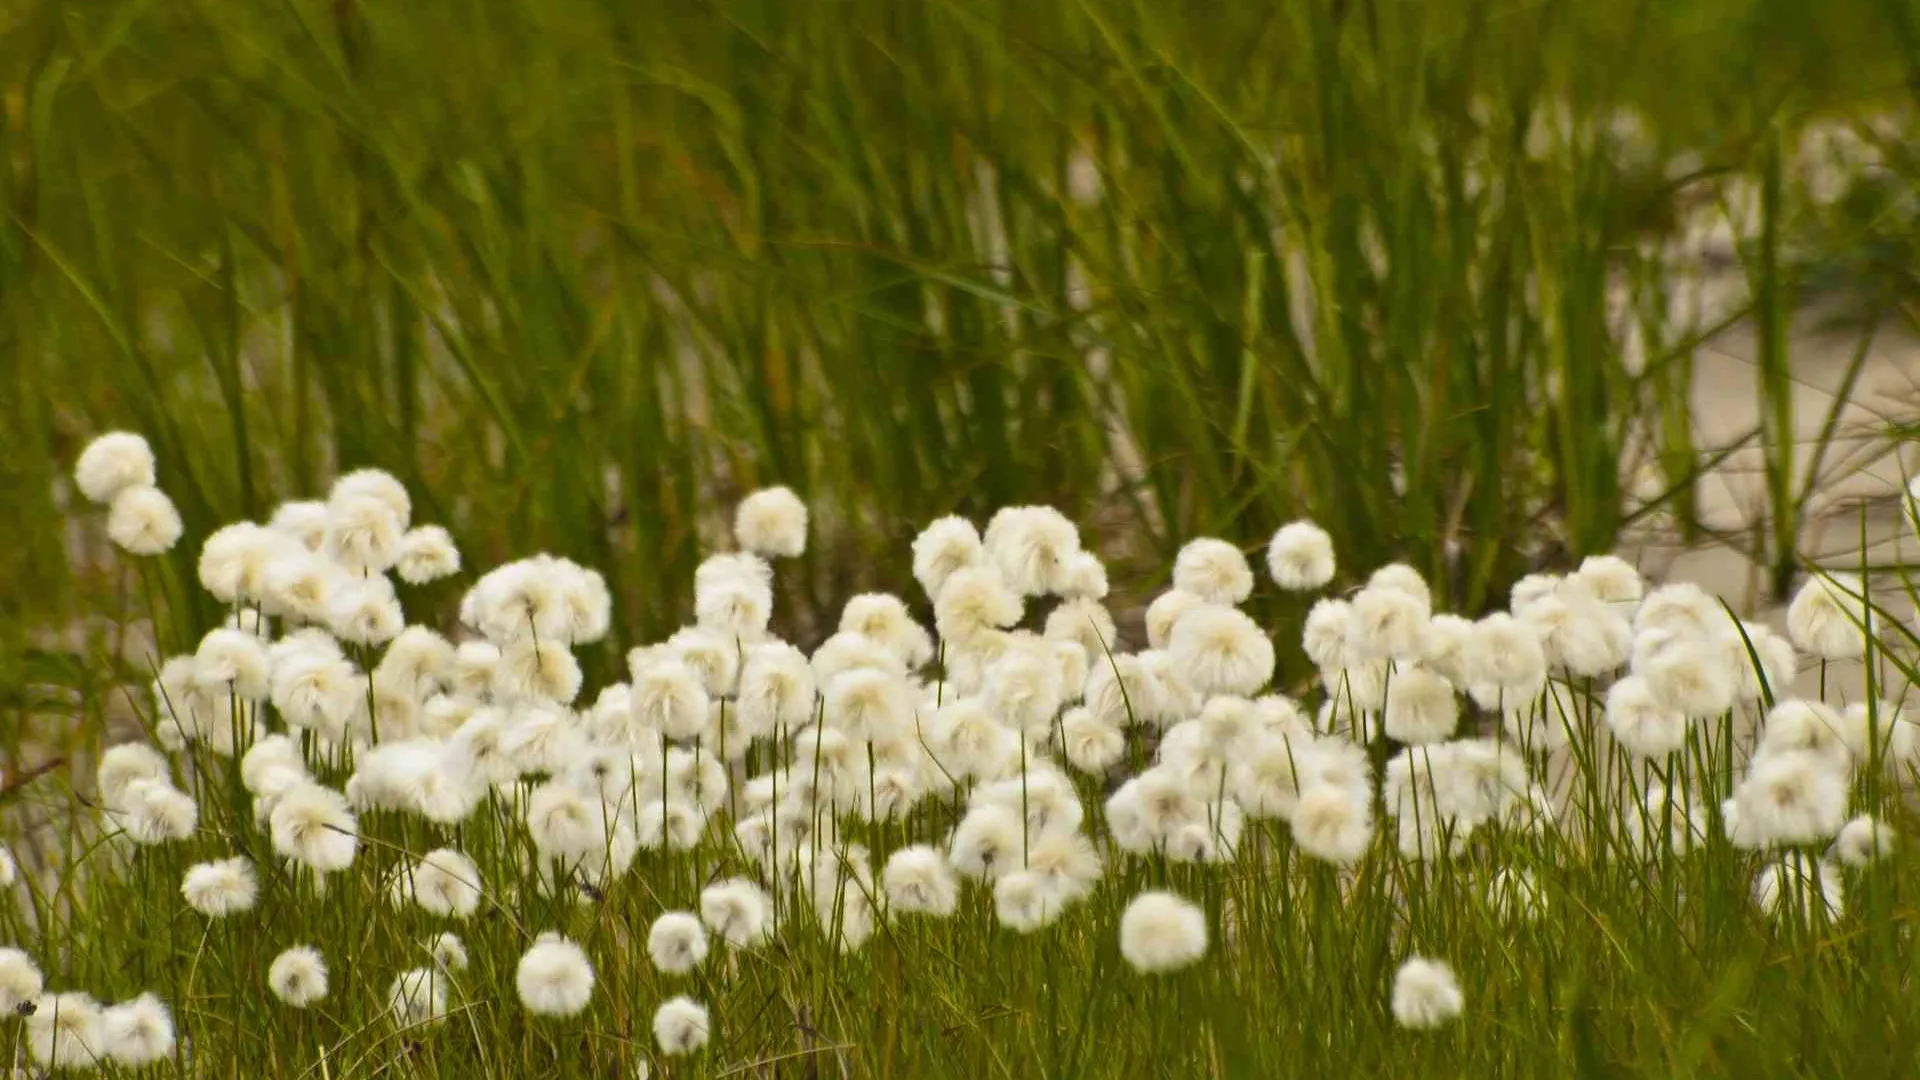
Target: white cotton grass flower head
681 1026
446 883
1425 994
304 521
9 870
1580 636
537 671
298 976
1085 577
232 661
1515 896
1389 623
1326 635
1643 723
1300 557
1333 822
1790 798
1864 841
1504 652
668 696
987 842
1087 623
737 911
1699 679
221 888
1222 651
1801 887
1214 570
947 545
138 1032
1032 547
153 812
554 977
1091 745
771 523
972 601
884 619
66 1031
1885 731
427 553
124 764
1161 932
143 521
314 826
113 463
1420 707
677 943
1165 612
1025 901
20 980
1799 725
917 880
1830 616
418 997
1609 579
448 951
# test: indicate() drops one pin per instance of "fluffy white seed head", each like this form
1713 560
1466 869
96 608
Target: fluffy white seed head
737 911
677 943
66 1031
1300 557
138 1032
1213 570
669 697
1791 798
943 547
418 998
1165 612
1610 579
20 980
1864 841
124 764
113 463
1032 547
1800 888
1830 616
917 880
446 883
1643 723
1425 994
221 888
1420 707
554 977
313 826
883 618
143 521
1161 932
427 553
972 601
771 523
448 951
1334 823
298 976
1220 650
681 1026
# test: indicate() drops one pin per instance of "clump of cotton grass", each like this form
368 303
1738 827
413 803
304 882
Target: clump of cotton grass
1425 994
554 977
1161 932
298 976
681 1026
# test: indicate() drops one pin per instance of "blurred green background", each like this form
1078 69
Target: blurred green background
583 272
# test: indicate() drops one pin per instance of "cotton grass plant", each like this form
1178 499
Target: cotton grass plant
363 836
